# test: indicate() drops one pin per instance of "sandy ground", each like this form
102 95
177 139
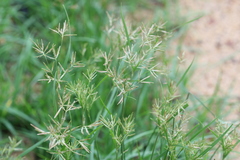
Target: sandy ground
214 41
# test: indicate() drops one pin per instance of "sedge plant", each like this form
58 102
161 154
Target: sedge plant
125 105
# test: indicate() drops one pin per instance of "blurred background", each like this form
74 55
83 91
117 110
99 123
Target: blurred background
213 41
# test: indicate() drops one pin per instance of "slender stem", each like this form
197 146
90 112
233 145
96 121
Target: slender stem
117 153
122 130
155 144
149 140
122 150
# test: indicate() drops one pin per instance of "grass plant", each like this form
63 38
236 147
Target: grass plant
94 94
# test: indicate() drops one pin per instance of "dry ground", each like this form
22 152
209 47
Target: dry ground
214 41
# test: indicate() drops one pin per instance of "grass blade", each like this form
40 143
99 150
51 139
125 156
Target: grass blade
125 29
32 147
201 130
215 142
183 76
22 115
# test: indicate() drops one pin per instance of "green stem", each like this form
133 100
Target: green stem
155 144
149 140
122 130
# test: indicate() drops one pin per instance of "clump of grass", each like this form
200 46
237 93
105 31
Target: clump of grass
96 106
61 134
116 97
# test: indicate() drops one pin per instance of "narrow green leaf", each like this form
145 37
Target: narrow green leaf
20 114
203 105
138 136
192 20
9 126
105 107
183 76
201 130
125 29
215 142
32 147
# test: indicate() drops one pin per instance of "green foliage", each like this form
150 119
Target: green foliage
98 87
